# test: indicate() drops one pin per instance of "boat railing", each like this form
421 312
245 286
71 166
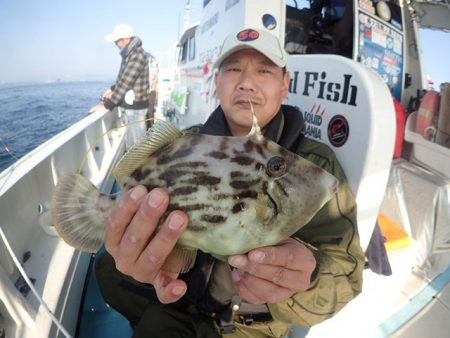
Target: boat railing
56 270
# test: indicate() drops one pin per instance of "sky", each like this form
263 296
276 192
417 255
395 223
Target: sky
436 51
46 40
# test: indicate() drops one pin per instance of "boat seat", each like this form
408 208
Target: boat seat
348 106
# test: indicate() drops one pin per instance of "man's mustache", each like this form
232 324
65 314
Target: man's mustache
246 99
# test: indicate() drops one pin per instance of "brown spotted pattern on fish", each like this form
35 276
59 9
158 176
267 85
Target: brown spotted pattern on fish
242 160
186 190
239 192
219 155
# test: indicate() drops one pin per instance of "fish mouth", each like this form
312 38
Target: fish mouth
272 205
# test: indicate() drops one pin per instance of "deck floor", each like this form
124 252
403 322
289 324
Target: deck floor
387 307
408 304
98 319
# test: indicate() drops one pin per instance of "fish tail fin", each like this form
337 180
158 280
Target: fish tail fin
79 212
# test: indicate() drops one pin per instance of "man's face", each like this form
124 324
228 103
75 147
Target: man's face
122 42
249 75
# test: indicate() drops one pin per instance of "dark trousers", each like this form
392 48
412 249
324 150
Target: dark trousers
139 304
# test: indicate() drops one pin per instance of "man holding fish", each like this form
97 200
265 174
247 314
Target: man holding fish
302 280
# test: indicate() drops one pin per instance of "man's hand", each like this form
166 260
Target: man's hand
97 107
273 274
138 250
107 95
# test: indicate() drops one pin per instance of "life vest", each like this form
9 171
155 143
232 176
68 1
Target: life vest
401 122
443 125
427 116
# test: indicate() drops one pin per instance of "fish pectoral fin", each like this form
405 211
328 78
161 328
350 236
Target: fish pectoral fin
180 260
159 135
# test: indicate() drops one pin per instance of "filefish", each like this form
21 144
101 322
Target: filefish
240 193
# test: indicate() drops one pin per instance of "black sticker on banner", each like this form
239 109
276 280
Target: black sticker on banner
338 130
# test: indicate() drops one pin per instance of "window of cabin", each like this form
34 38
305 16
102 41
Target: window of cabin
183 52
319 27
192 48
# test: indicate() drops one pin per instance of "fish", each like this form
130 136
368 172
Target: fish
240 193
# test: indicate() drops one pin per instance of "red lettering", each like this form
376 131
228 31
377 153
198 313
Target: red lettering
243 35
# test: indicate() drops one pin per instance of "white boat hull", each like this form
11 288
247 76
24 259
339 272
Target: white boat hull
58 271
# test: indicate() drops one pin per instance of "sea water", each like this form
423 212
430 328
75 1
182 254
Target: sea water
33 113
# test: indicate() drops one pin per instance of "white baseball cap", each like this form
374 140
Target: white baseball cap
121 31
263 41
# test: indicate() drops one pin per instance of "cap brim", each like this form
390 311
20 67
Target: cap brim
276 60
109 38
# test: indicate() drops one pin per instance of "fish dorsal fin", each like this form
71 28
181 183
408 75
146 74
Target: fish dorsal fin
159 135
256 129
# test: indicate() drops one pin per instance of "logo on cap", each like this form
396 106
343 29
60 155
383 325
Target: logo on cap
269 21
247 35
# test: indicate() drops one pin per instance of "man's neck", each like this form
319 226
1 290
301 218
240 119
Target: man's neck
238 131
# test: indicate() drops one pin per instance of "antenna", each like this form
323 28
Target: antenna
187 15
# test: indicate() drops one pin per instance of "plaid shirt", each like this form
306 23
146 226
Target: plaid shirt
133 74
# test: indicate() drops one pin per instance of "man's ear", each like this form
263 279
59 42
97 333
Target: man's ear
216 75
285 89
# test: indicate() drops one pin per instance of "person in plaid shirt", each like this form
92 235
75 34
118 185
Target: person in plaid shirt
131 90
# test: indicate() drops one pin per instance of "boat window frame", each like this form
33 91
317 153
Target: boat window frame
191 47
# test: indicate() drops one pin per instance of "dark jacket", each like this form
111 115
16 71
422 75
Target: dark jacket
333 230
133 75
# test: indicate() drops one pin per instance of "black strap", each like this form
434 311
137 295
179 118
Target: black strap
226 320
141 289
251 318
245 313
247 308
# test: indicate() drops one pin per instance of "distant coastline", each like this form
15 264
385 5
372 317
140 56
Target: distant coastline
53 81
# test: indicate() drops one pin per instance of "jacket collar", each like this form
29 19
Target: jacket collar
286 128
135 42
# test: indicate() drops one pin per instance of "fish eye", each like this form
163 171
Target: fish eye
276 166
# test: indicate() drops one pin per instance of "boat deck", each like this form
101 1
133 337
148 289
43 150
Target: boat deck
401 305
98 319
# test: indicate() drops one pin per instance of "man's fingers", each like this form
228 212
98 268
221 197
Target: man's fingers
288 265
97 108
283 277
168 288
242 290
257 291
121 216
157 250
290 254
141 227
